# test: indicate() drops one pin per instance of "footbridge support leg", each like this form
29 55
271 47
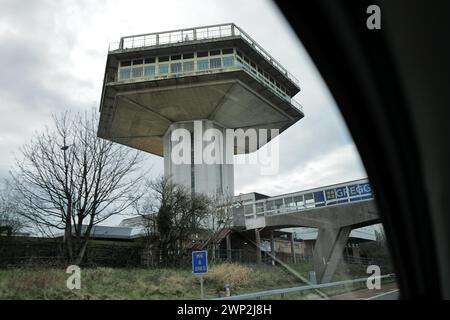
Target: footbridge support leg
258 247
272 247
294 260
328 250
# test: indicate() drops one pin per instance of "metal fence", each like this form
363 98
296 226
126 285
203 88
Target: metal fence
154 258
20 252
284 291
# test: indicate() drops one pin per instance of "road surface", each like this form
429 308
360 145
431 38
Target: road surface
387 292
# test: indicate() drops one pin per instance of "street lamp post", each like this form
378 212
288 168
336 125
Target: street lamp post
64 149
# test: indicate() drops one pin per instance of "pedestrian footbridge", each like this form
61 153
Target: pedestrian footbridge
308 208
334 210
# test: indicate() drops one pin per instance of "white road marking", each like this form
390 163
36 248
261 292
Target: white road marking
382 294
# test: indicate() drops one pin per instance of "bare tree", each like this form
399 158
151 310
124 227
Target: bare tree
146 209
71 180
180 215
221 212
11 221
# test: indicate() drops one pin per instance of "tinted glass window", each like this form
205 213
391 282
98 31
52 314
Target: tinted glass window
125 74
188 66
214 52
202 64
216 63
163 68
228 61
248 208
137 72
175 67
227 51
149 71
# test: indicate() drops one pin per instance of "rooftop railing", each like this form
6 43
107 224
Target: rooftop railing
196 34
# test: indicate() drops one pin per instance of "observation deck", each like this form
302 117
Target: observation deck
217 73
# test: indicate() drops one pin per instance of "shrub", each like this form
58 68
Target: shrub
234 274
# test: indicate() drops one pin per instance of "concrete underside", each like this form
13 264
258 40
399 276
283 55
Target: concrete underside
138 114
357 215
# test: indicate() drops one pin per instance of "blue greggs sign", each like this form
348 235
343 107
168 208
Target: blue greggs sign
359 189
343 194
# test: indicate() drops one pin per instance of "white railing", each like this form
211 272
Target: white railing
196 34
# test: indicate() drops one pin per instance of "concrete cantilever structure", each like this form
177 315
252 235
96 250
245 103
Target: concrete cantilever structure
159 82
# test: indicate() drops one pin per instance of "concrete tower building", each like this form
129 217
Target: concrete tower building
209 77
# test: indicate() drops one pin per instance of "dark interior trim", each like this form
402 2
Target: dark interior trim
358 68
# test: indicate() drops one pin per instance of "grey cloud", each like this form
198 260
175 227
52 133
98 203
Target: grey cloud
36 75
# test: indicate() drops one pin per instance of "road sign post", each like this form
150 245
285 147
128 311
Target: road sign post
202 292
200 267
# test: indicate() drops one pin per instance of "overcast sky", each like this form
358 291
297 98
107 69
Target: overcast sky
53 54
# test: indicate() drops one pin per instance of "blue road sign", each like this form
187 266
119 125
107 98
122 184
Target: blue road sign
199 262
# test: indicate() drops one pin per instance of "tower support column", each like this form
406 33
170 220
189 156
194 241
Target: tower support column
194 156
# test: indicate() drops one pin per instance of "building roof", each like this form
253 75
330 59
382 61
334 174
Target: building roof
138 221
220 235
365 233
113 232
